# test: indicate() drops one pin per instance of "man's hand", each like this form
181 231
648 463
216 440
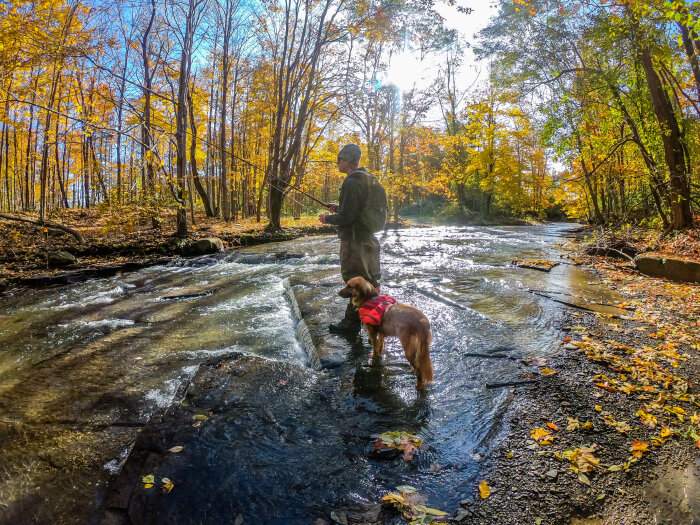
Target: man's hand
322 218
332 206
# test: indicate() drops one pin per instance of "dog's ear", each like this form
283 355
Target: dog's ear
366 289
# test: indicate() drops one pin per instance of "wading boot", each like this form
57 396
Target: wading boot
350 324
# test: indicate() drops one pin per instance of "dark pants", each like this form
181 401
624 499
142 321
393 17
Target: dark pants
359 258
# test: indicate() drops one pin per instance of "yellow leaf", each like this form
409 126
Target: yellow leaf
587 426
176 449
484 490
547 372
598 408
148 479
584 479
573 424
148 485
427 510
665 432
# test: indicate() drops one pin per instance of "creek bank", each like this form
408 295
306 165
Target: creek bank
28 266
632 376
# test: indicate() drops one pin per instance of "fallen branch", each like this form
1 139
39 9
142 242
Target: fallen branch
572 305
51 225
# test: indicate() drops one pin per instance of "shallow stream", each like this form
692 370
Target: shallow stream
84 367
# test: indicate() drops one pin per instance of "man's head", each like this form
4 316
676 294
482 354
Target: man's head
349 158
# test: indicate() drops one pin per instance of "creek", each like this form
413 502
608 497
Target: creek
84 367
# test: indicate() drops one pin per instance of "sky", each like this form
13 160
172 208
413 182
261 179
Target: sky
407 70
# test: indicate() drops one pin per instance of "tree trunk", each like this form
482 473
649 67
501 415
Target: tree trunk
193 161
674 149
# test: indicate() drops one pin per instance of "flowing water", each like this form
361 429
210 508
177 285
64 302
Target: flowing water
83 367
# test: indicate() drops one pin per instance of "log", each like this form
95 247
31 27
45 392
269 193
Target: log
44 224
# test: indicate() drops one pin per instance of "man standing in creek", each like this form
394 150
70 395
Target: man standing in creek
359 249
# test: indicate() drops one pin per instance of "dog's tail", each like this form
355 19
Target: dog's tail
423 364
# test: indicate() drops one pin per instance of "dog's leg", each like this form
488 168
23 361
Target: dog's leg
380 344
372 333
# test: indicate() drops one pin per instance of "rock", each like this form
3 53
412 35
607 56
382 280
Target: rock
61 258
672 269
552 474
239 519
461 515
209 245
339 516
364 513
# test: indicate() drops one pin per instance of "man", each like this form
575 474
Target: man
359 249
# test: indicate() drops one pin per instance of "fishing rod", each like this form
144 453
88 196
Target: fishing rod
319 201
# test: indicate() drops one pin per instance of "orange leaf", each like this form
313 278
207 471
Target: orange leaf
605 386
552 426
641 446
484 490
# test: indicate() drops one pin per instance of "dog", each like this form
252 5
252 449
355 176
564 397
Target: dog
407 323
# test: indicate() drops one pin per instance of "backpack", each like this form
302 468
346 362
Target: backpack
372 312
373 213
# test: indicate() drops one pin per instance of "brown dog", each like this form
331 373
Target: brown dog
409 324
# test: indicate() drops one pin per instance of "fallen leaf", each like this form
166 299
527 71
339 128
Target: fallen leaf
484 490
584 479
587 425
200 417
598 408
552 426
283 382
148 479
547 372
197 424
573 424
427 510
409 451
167 486
176 449
638 448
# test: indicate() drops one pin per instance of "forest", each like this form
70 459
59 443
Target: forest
219 107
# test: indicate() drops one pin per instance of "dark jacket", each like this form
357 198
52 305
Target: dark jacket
353 195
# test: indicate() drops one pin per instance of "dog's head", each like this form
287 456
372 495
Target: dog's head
360 290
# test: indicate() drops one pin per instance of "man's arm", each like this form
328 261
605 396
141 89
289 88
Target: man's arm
350 204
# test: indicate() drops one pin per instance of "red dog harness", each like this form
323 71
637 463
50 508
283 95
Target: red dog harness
373 310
